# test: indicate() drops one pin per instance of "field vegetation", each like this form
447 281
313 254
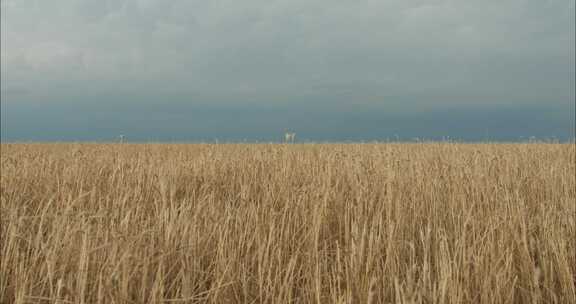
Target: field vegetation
279 223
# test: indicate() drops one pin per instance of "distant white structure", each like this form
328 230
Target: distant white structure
121 138
289 137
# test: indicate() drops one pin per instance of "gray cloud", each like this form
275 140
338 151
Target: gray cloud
364 53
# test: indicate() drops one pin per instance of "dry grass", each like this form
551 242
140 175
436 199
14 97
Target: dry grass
373 223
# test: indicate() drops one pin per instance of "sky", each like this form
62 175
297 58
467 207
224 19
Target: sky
329 70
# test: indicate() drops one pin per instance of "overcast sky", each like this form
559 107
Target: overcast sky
328 69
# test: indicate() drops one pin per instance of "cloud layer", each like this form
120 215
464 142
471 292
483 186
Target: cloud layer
395 55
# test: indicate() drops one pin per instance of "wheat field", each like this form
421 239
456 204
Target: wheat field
277 223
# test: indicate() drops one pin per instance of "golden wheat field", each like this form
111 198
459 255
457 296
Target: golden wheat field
277 223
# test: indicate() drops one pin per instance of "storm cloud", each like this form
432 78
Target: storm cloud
304 63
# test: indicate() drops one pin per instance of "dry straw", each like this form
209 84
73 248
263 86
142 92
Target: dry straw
372 223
